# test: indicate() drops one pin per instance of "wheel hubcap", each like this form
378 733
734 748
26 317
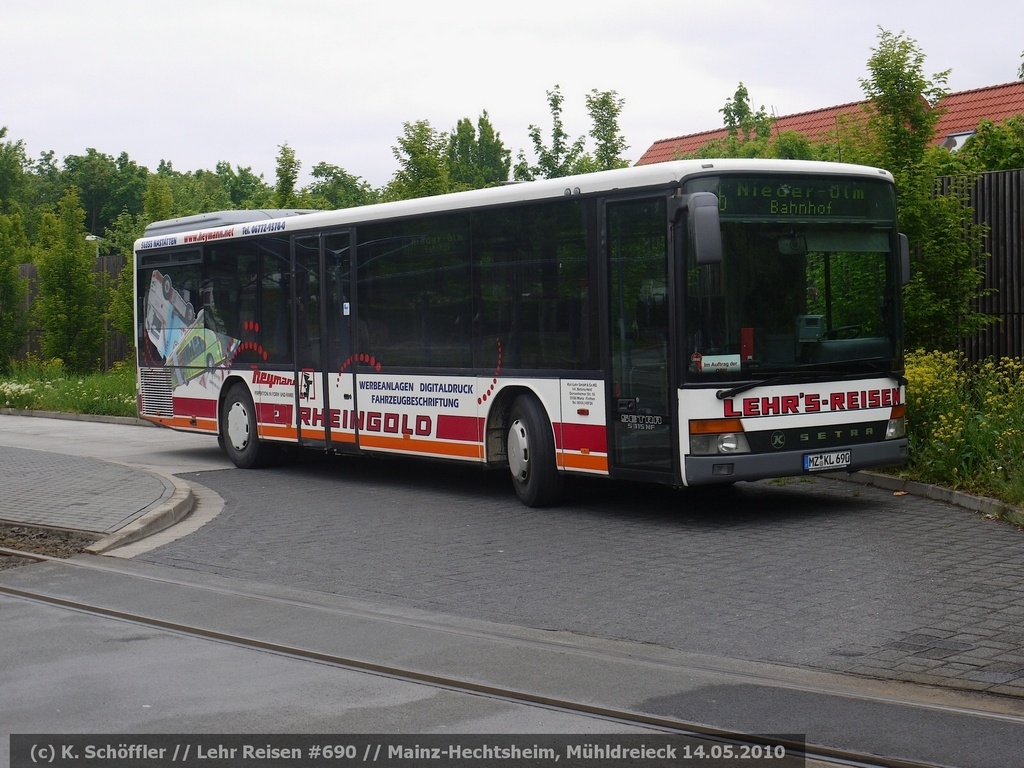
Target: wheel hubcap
238 426
518 450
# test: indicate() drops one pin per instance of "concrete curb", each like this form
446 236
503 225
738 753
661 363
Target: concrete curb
131 420
171 512
980 504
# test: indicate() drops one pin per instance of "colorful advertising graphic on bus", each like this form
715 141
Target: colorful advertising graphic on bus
190 350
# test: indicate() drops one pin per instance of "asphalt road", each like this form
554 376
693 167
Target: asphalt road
816 580
819 573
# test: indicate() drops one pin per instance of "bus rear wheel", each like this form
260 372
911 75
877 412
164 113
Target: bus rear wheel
531 454
238 430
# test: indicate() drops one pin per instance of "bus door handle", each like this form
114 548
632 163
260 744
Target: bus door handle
627 405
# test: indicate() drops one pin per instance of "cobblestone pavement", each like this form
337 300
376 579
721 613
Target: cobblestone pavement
84 494
815 573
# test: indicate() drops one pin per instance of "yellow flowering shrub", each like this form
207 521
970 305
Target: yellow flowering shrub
966 423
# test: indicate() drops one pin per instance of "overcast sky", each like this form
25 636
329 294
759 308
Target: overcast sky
195 82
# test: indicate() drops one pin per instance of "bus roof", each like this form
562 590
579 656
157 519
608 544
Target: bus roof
232 224
218 219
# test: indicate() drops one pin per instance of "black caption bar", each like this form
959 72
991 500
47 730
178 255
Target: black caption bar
400 750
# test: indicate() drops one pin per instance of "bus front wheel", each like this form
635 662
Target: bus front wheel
531 454
238 430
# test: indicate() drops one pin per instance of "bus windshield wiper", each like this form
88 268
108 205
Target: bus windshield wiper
785 378
811 371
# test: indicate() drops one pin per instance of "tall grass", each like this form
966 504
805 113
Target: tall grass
45 385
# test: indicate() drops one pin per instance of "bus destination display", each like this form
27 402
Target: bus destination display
804 199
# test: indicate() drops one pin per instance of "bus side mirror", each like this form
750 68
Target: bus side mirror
904 258
705 227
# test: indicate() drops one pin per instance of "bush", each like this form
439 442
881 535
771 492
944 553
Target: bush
966 423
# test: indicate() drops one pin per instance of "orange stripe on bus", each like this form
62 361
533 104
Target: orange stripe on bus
588 462
409 445
184 423
278 432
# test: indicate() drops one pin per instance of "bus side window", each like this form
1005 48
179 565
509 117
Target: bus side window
275 330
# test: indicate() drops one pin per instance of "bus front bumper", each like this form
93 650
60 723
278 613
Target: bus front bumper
722 468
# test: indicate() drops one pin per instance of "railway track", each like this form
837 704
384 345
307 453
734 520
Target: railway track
801 753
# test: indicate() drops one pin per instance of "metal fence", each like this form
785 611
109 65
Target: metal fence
998 200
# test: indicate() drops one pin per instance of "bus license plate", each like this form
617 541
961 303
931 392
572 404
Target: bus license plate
822 462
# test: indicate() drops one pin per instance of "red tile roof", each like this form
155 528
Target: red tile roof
963 112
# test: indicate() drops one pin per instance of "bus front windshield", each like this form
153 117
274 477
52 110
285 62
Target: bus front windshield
804 284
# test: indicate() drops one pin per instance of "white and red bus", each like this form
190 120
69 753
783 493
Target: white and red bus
683 323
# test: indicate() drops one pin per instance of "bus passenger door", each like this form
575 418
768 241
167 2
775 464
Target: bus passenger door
642 409
324 379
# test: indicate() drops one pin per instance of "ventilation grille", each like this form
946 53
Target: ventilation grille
157 399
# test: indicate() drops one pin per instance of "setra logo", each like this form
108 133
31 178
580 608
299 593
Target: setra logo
778 440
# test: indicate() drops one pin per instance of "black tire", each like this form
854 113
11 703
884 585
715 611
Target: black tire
530 448
238 430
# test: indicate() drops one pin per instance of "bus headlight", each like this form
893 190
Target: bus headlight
714 437
897 426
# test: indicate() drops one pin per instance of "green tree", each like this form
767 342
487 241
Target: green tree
92 175
947 260
996 146
903 101
191 193
790 145
12 172
288 168
562 158
947 246
742 120
127 190
106 186
751 133
604 108
158 202
45 186
423 170
245 189
14 250
476 156
120 238
67 309
334 188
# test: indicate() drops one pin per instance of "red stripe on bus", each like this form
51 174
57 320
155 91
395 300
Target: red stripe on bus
467 428
194 406
577 437
274 413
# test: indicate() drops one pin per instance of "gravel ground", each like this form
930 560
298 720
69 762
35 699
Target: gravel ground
40 541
